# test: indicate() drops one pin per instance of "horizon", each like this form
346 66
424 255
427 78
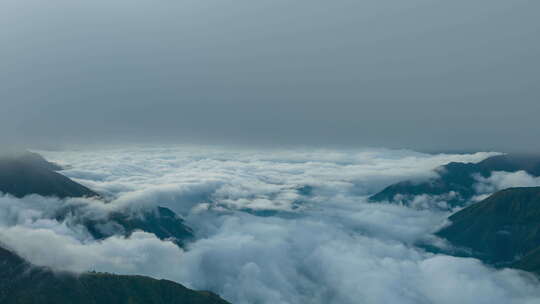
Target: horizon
420 75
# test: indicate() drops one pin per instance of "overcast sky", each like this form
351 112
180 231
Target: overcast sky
421 74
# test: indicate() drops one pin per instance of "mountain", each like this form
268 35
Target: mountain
503 229
25 173
455 181
22 283
33 159
530 262
28 173
162 222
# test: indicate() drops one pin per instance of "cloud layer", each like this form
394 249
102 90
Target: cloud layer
271 227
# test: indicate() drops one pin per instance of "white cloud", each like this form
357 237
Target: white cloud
325 245
57 247
500 180
245 178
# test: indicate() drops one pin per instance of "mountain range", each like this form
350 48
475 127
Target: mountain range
502 230
27 173
455 181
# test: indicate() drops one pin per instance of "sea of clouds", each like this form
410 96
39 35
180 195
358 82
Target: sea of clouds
271 226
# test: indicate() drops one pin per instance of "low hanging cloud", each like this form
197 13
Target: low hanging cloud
270 227
243 177
500 180
64 251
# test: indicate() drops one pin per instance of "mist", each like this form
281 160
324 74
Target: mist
322 245
426 75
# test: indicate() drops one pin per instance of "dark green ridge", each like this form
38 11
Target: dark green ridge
530 262
503 229
22 283
459 178
28 173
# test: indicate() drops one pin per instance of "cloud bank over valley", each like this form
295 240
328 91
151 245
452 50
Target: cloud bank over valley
270 226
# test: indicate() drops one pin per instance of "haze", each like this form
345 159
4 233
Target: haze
426 75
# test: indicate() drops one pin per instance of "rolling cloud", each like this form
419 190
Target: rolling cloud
502 180
320 243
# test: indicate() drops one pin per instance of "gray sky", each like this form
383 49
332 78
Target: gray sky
423 74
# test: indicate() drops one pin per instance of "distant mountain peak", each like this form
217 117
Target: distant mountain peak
25 173
458 178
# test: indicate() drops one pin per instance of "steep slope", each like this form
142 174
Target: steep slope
457 179
500 229
27 173
34 159
22 283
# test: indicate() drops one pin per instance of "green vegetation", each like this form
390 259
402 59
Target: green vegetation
503 229
530 262
22 283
